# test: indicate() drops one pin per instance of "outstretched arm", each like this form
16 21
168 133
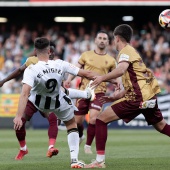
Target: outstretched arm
117 72
13 75
21 106
81 72
87 74
70 77
116 95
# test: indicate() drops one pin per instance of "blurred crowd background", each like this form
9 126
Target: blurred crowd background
16 45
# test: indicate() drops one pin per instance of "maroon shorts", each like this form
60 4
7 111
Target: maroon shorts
30 110
84 105
128 110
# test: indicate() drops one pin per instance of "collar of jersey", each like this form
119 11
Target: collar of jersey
43 62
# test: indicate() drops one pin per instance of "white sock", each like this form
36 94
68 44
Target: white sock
74 93
23 148
87 146
73 143
100 158
51 146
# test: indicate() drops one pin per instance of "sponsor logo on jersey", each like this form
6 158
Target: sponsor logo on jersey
124 57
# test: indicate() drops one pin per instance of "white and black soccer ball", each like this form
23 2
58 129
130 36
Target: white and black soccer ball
164 19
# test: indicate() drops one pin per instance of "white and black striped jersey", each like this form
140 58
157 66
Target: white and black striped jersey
46 78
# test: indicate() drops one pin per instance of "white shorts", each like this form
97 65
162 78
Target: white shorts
65 115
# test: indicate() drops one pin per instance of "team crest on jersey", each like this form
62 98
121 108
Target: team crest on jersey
124 57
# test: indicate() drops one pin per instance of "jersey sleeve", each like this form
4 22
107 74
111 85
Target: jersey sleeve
70 68
28 77
123 57
28 62
31 60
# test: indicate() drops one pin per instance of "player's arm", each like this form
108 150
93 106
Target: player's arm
87 74
13 75
21 106
82 73
77 71
116 95
70 77
117 72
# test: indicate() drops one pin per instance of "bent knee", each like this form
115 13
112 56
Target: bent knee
79 119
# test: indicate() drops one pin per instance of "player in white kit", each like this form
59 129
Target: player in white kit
41 87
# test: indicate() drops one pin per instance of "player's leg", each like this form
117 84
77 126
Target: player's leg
21 134
163 127
77 94
88 93
79 120
91 130
72 135
52 134
154 117
101 137
95 108
83 106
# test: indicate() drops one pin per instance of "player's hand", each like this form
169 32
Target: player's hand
97 80
17 123
106 99
67 84
116 92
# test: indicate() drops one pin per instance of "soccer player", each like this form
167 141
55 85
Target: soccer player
41 88
141 88
100 62
53 125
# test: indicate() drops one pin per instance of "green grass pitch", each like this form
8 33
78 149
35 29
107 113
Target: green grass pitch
125 150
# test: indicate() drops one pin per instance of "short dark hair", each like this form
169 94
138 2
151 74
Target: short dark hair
41 42
125 31
102 31
52 44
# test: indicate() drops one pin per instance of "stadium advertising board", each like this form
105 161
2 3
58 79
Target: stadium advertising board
8 105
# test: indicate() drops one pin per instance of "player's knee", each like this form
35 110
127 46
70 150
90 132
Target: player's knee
92 120
70 124
79 119
101 118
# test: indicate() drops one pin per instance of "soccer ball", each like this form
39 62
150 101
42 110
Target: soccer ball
164 19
